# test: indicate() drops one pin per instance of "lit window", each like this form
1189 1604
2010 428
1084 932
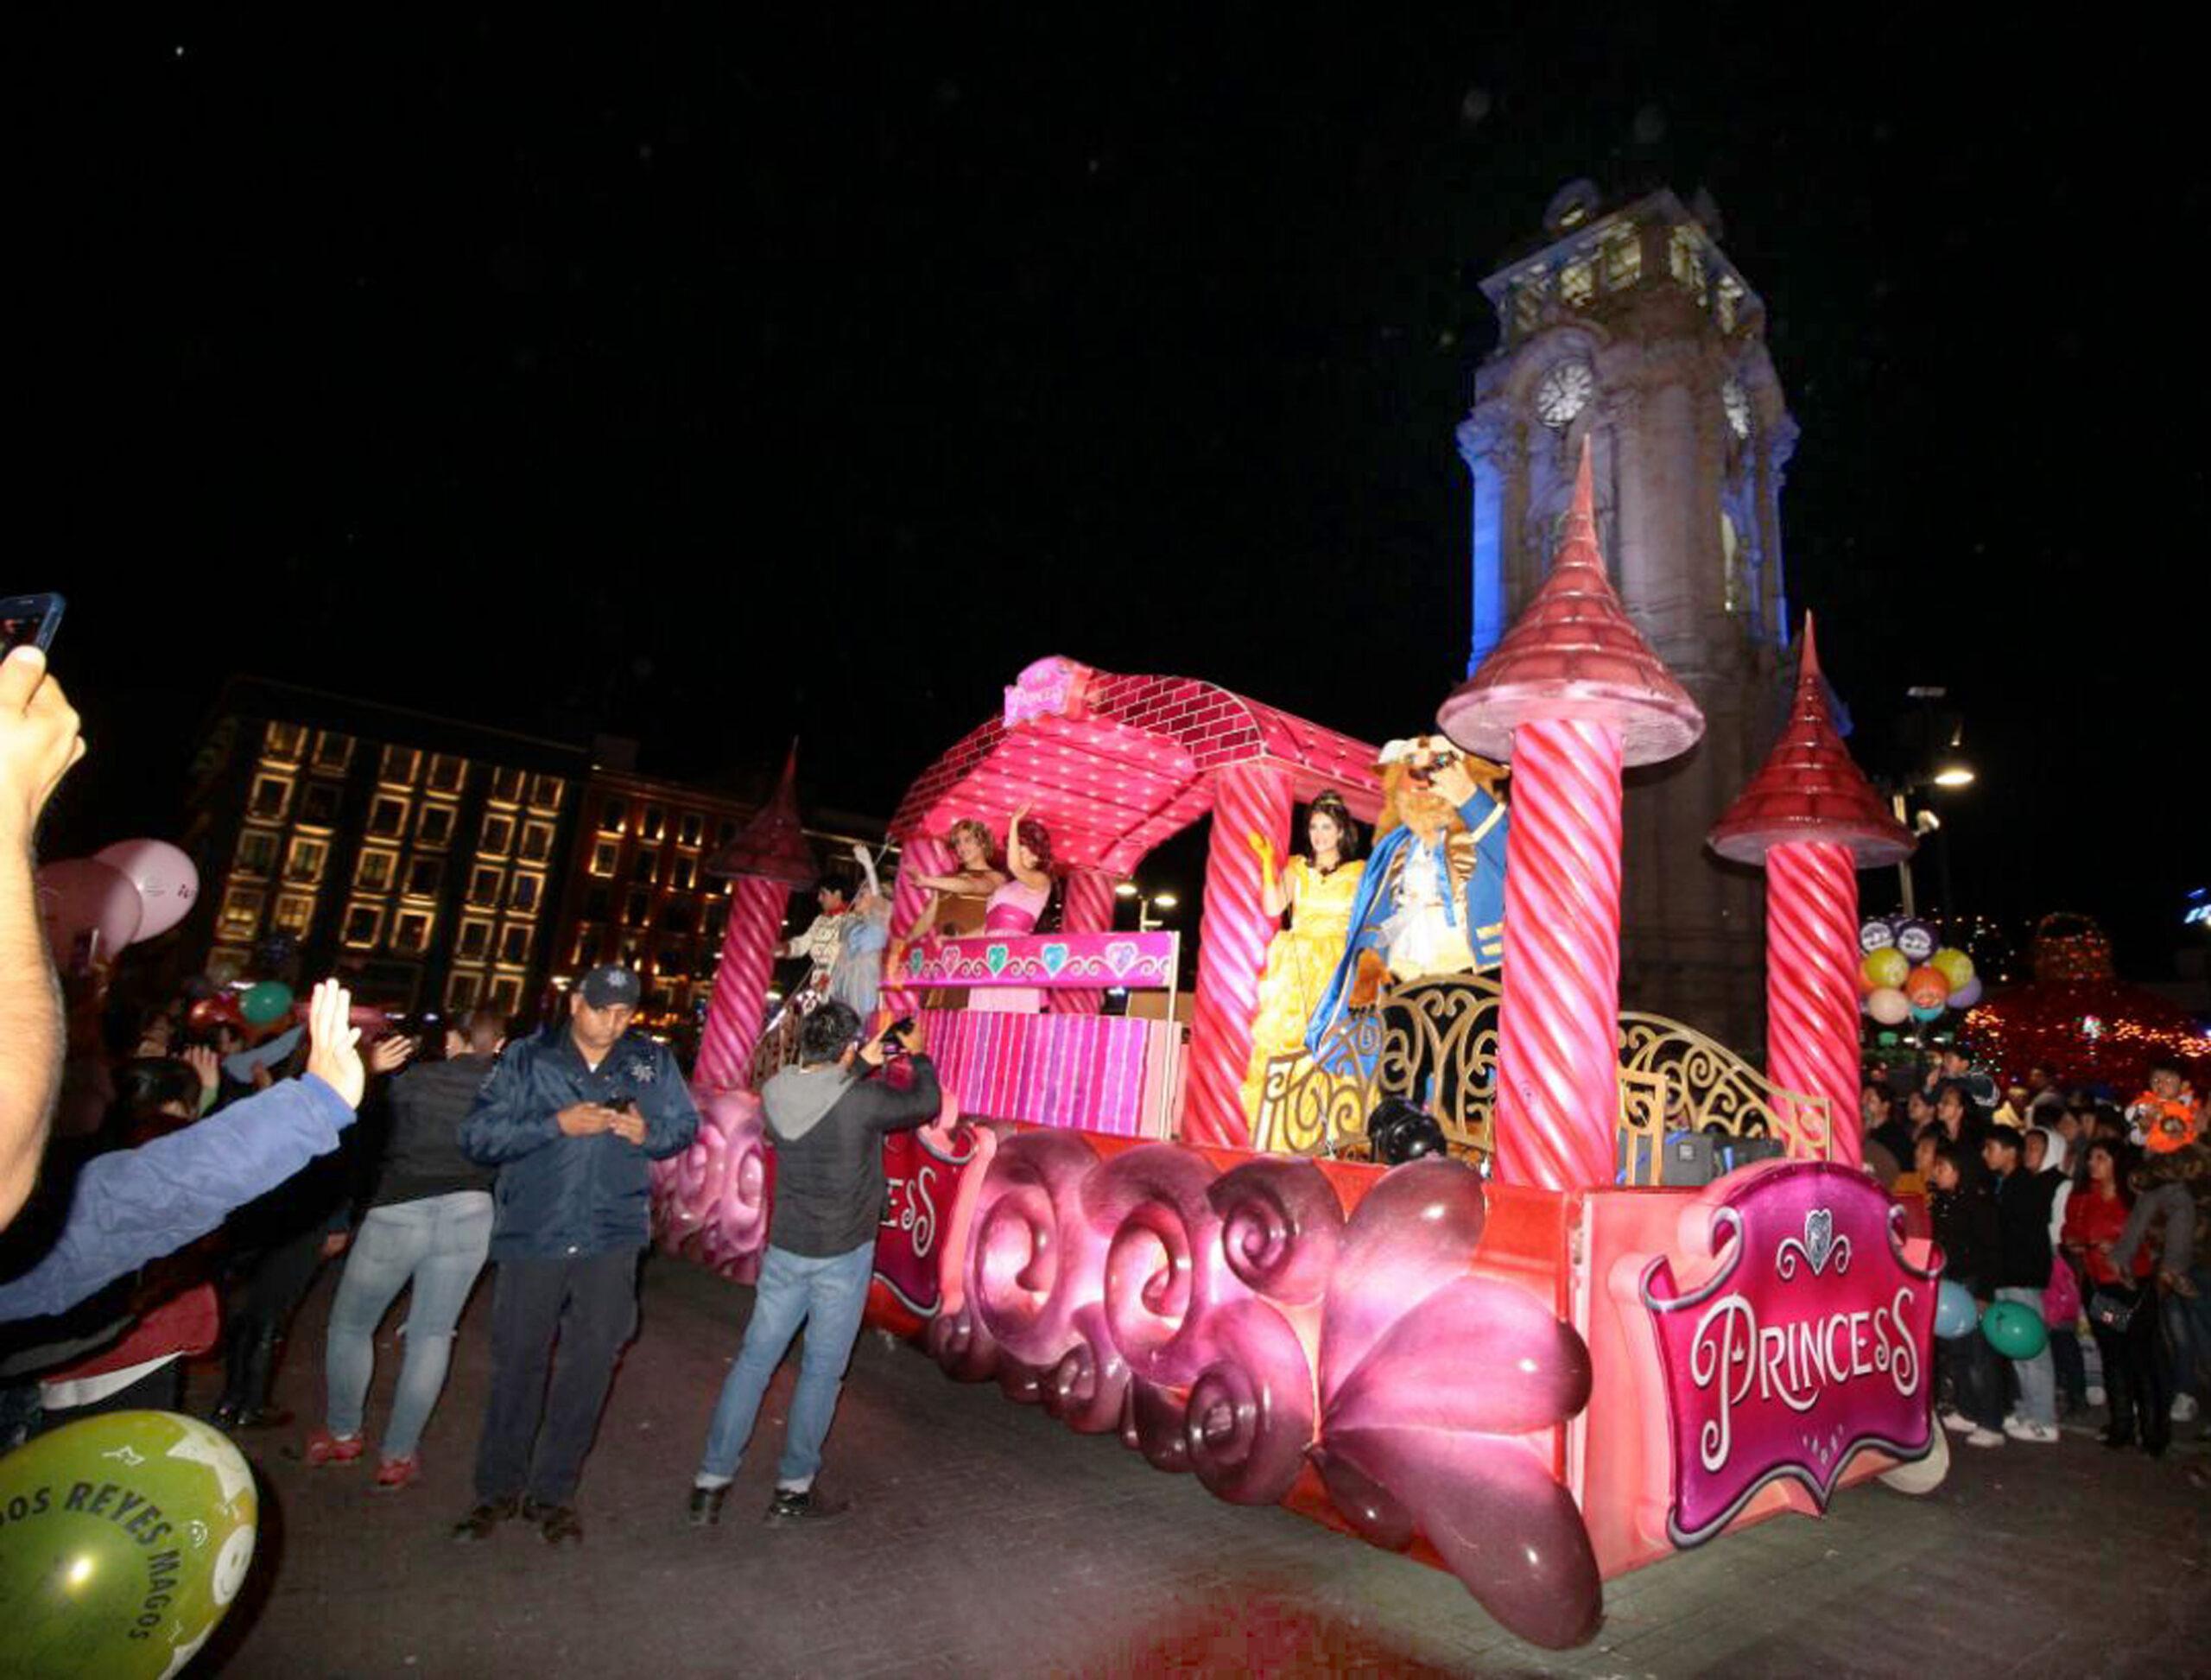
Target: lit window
434 826
1687 260
485 884
505 994
652 823
333 752
475 938
1730 291
498 836
402 765
461 989
604 856
410 931
424 876
375 871
1577 283
692 829
256 853
319 803
1528 297
241 917
387 816
506 787
285 741
585 951
545 792
639 908
294 911
363 926
448 772
537 842
514 942
645 868
1623 258
305 861
528 890
612 815
272 796
683 872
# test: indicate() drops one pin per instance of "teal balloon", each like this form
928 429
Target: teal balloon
1930 1012
1885 1038
271 1000
1954 1314
2014 1330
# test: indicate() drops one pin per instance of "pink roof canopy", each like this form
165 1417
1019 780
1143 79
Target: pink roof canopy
1810 788
1112 765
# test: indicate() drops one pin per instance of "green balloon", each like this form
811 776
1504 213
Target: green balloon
123 1539
2014 1330
269 1001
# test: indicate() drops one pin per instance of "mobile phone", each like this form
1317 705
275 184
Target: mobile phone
624 1105
29 621
899 1027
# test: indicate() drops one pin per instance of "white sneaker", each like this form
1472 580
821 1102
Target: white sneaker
1981 1438
2183 1409
1958 1424
2019 1430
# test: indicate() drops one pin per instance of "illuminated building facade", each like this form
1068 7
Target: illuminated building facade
1629 327
414 856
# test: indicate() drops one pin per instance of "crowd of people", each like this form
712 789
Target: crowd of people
2093 1214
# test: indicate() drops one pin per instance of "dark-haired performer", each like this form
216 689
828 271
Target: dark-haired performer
827 1118
1318 893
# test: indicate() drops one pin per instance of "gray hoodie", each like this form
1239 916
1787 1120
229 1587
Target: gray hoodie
827 1127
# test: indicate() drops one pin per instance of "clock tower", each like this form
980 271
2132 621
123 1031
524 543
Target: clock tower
1630 328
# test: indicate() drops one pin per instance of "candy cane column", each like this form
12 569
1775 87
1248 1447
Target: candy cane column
1810 816
1085 907
1248 799
1570 696
767 862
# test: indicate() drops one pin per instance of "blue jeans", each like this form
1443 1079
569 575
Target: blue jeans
2038 1377
439 1242
826 1297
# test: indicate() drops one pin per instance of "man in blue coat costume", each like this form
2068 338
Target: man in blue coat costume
1432 899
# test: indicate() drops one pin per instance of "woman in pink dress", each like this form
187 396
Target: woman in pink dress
1015 906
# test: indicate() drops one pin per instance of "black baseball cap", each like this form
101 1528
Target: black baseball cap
610 984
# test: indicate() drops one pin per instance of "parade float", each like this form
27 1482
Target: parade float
1528 1361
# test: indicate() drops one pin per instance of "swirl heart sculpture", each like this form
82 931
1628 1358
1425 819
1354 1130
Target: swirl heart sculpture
1238 1326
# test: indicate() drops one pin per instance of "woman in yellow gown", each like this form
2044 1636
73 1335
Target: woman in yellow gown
1317 892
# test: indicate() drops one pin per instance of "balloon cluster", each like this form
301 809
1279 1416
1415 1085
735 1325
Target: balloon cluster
2013 1329
1906 974
132 890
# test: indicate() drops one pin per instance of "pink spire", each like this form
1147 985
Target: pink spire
772 847
1575 656
1810 788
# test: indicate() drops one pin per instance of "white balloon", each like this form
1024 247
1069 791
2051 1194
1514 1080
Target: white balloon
167 882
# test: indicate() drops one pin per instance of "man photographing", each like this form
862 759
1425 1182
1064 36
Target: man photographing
826 1119
572 1118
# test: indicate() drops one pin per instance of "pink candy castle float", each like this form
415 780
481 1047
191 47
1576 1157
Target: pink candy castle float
1535 1378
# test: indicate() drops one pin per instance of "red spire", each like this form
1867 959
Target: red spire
771 846
1575 655
1810 788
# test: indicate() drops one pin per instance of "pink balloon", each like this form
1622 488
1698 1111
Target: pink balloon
91 910
168 884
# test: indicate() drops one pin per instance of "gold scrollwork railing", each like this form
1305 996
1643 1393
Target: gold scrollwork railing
1433 1044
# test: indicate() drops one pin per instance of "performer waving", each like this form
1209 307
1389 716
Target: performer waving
1317 892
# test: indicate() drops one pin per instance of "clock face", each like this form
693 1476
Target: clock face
1737 400
1563 393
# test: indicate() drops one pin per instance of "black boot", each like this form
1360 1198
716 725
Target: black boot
2121 1432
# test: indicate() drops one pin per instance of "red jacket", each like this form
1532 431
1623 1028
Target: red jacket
2093 1217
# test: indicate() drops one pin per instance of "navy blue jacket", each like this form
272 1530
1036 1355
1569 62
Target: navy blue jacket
557 1195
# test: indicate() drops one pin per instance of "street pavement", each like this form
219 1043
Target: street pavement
987 1539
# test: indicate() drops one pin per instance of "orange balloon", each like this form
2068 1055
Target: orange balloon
1927 986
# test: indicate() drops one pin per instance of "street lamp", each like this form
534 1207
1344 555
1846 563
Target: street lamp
1146 922
1948 770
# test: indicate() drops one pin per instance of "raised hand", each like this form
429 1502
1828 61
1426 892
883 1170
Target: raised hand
391 1052
38 739
334 1053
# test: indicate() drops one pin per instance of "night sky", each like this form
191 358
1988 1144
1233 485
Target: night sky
706 385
